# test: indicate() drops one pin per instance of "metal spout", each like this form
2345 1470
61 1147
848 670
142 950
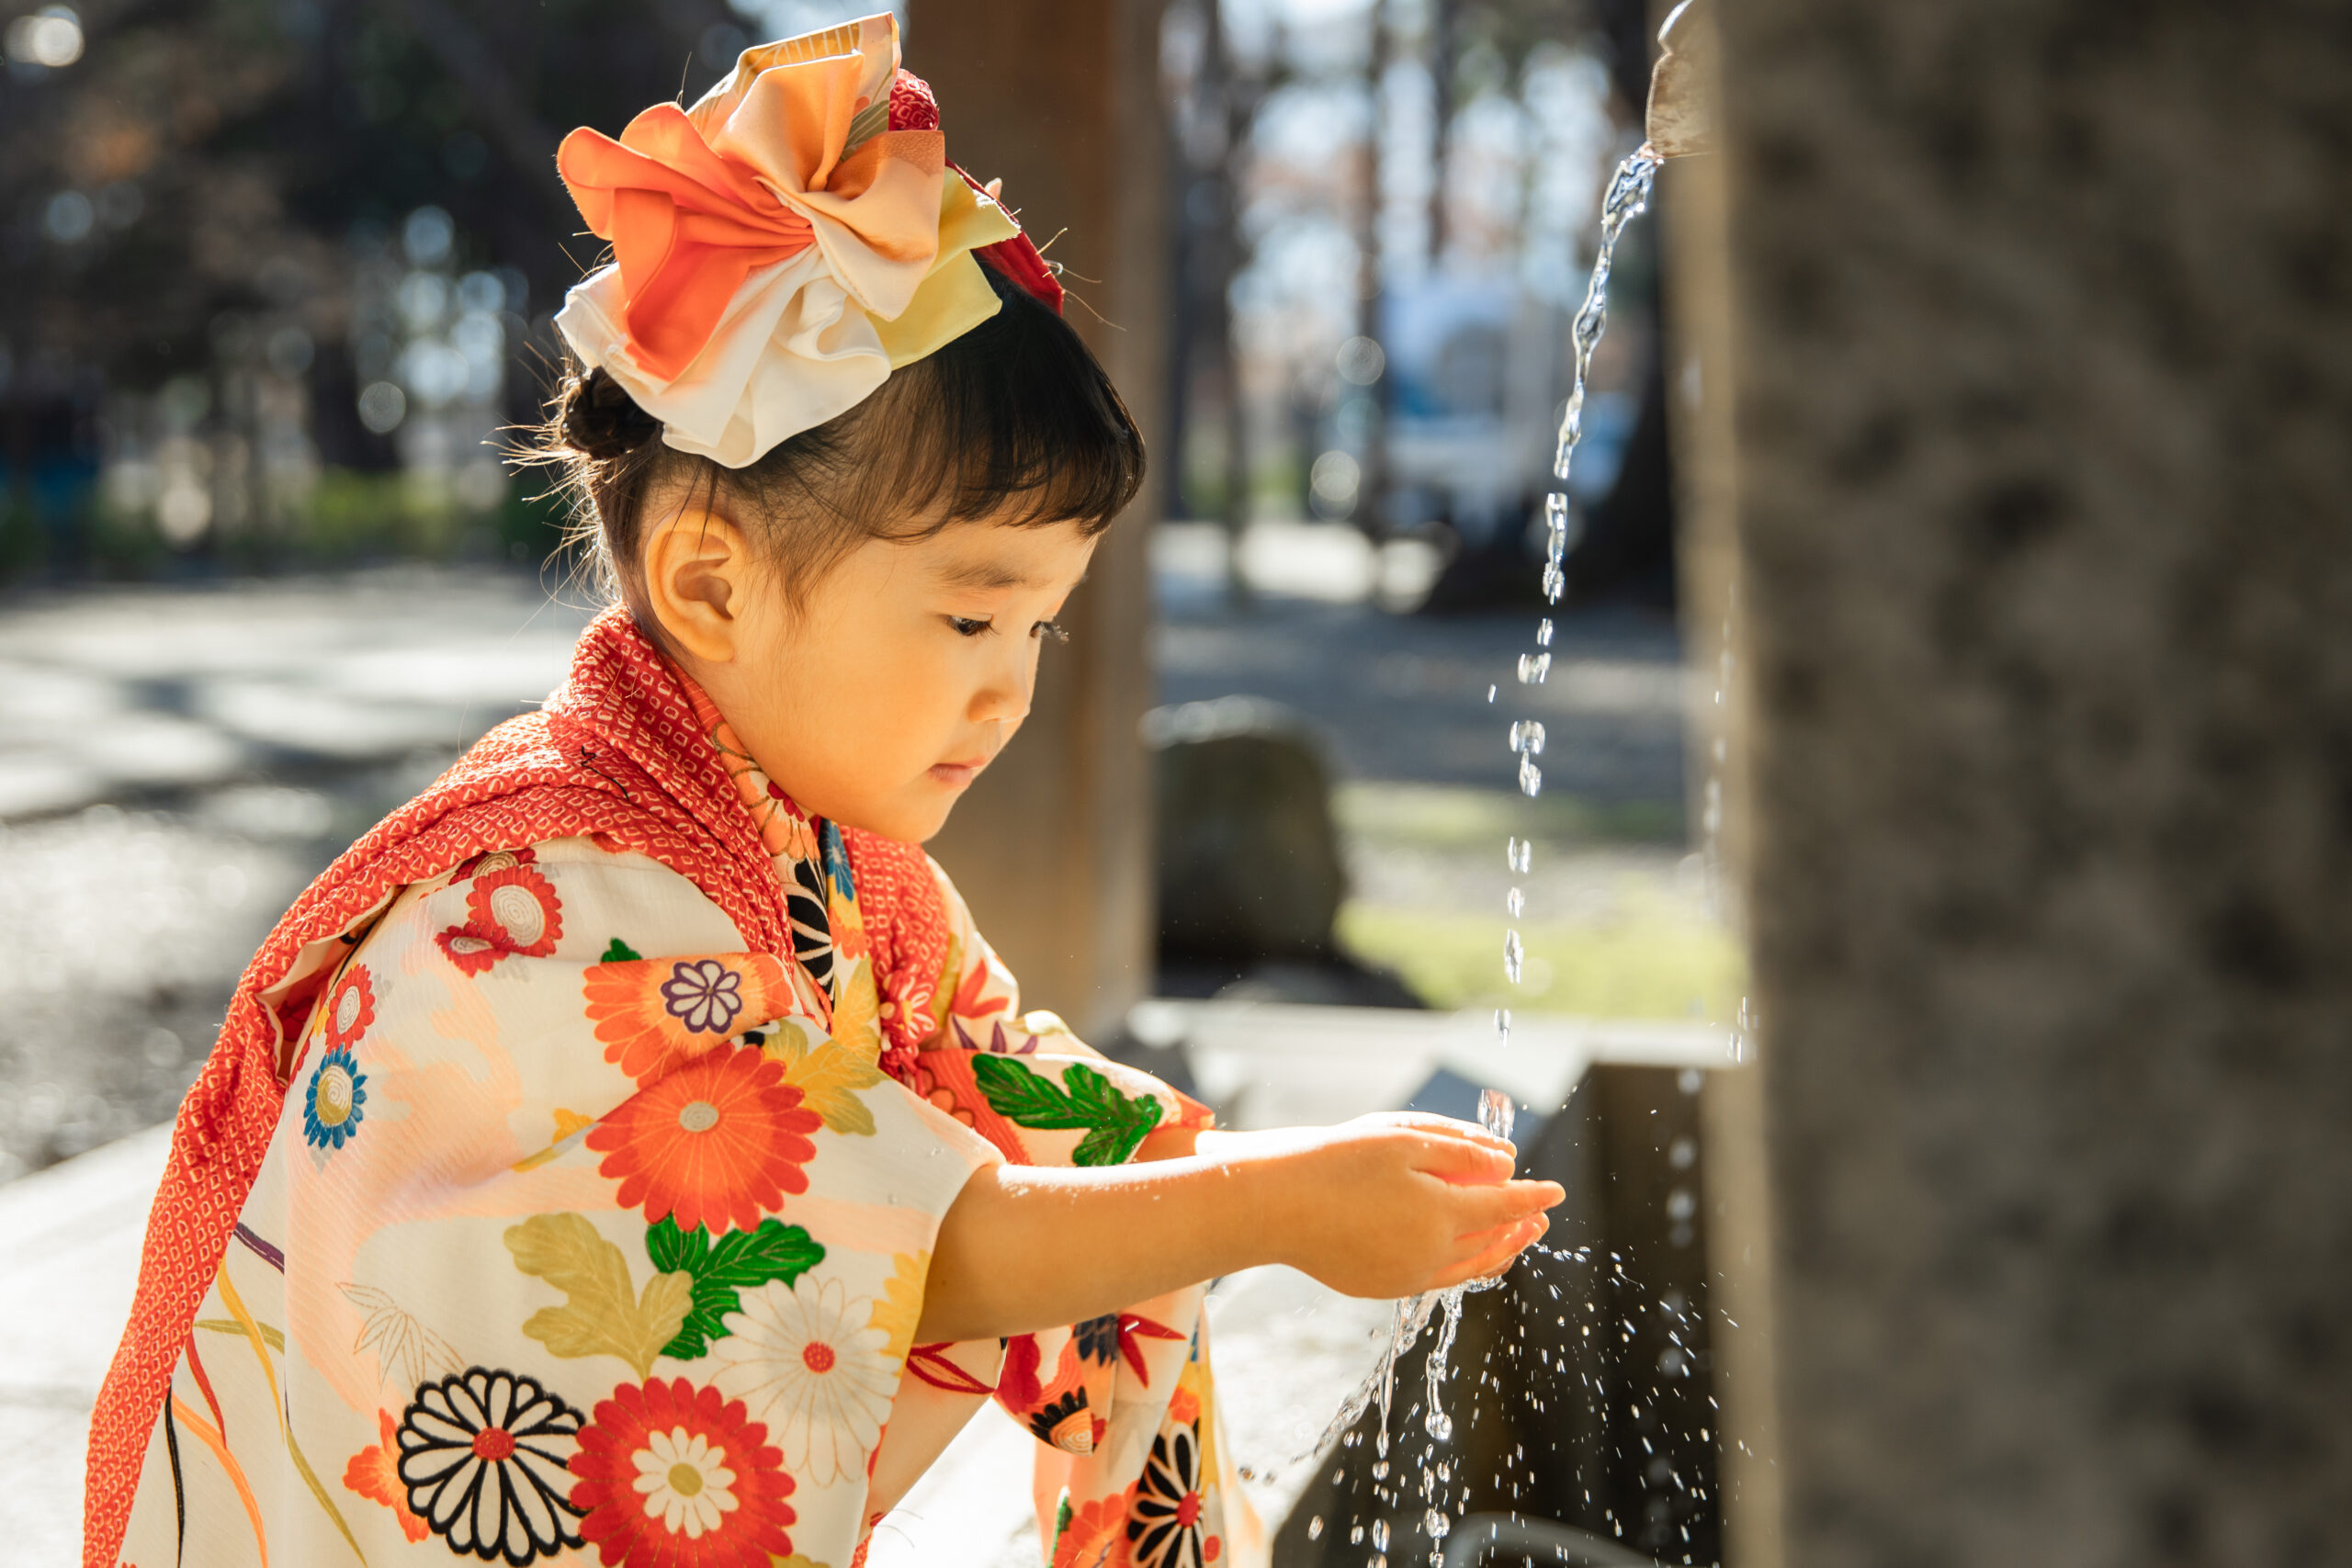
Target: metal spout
1682 117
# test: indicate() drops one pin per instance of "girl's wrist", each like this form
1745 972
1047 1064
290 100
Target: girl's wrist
1257 1203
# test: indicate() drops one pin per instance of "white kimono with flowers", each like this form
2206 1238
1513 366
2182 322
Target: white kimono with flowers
580 1237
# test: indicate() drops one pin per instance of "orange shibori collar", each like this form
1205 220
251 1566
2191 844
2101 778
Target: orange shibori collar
783 246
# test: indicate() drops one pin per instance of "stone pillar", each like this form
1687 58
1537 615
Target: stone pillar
2037 369
1052 848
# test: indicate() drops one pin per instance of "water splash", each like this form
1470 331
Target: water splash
1627 197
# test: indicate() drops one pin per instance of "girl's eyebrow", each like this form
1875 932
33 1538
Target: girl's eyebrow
983 574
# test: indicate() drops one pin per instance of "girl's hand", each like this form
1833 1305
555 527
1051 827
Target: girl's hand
1390 1204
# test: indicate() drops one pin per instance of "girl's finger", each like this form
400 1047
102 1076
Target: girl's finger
1444 1126
1461 1161
1496 1255
1479 1209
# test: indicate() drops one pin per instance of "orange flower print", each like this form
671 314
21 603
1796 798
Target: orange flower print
510 909
374 1473
517 908
490 861
468 949
792 834
717 1143
655 1015
351 1008
1095 1535
673 1476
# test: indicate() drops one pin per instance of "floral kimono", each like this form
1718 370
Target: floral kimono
592 1216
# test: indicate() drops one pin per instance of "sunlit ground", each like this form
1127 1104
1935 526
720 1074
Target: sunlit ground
1616 918
1618 922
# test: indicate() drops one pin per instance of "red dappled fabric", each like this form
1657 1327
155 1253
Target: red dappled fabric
617 753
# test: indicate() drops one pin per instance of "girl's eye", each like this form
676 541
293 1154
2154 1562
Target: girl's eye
967 626
1053 629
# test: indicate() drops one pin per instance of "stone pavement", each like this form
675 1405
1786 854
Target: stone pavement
174 765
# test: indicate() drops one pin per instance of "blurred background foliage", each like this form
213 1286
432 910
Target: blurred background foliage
278 273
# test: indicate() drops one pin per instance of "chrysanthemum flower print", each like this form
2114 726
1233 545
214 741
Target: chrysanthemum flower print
1164 1523
706 997
1094 1535
335 1101
509 911
807 1360
672 1476
517 907
719 1143
351 1008
656 1014
483 1455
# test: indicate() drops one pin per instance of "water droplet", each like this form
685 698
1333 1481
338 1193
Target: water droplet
1355 1536
1531 778
1519 854
1516 902
1502 1024
1314 1527
1514 956
1490 692
1533 668
1437 1524
1543 632
1380 1535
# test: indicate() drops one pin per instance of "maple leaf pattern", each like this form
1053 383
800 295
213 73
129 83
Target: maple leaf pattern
857 1011
899 1306
606 1315
828 1074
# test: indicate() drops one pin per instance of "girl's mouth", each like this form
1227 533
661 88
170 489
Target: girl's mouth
955 775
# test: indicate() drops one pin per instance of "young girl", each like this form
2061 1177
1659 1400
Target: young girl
629 1147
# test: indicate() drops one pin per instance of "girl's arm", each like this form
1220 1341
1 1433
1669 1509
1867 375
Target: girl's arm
1383 1205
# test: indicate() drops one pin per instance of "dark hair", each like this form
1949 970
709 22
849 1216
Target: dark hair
1014 422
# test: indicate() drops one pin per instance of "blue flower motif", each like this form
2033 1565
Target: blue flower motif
837 870
705 996
331 1107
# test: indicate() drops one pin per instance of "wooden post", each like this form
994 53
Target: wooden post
1052 849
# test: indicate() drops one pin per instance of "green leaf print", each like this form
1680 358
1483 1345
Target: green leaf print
739 1260
619 952
1115 1124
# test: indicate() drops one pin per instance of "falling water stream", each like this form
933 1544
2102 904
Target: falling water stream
1627 196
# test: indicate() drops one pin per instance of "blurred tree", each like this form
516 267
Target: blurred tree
217 156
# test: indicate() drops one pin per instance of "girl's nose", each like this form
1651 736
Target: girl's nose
1004 693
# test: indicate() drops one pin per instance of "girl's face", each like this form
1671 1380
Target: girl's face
904 672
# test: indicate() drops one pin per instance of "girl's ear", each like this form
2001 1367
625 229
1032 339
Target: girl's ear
698 580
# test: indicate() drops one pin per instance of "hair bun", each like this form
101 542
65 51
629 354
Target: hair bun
601 420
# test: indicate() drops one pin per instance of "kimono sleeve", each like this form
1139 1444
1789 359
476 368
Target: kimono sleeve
1131 1465
569 1190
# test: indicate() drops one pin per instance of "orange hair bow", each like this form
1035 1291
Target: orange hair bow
781 246
687 227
